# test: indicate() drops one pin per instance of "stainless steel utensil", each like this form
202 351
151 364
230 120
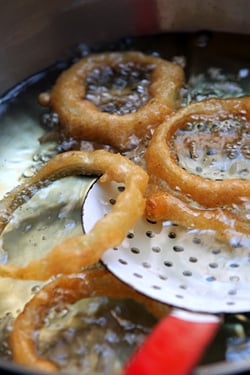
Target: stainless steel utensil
190 270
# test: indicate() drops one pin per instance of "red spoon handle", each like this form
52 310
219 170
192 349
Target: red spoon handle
175 346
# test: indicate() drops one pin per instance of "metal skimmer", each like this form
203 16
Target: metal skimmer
190 270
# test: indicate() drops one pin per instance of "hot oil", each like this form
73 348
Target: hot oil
121 90
112 327
99 337
215 149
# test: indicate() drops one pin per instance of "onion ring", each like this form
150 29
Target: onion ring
80 119
77 252
163 206
162 163
67 290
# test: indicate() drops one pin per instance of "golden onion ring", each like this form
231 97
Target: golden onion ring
58 293
74 253
162 163
80 119
163 206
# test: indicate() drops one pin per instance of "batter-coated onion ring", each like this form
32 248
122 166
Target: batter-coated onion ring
77 252
163 205
162 163
82 120
58 293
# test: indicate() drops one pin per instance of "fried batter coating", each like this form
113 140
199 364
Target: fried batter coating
77 252
81 119
162 162
58 293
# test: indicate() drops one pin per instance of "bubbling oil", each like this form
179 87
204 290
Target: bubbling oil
121 89
100 336
215 149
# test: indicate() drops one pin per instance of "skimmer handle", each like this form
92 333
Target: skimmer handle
175 345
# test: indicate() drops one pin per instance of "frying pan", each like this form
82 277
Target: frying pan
35 34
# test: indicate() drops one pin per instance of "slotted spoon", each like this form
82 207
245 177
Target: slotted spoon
190 270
